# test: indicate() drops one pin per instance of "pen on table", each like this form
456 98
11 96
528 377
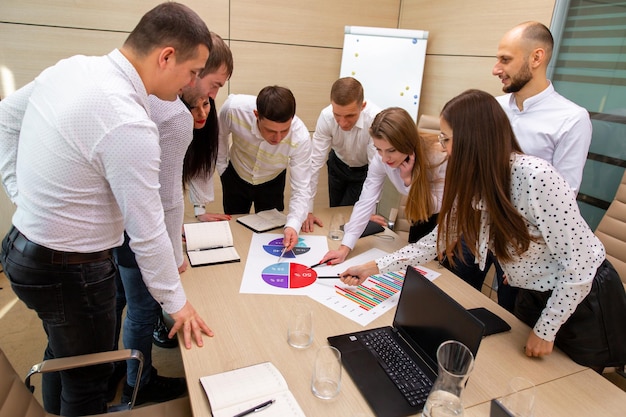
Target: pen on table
280 258
255 409
319 264
211 247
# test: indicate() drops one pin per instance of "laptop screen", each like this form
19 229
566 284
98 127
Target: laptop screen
426 317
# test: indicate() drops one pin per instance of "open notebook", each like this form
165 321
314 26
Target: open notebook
210 243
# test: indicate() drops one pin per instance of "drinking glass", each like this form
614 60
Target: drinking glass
300 329
336 227
326 379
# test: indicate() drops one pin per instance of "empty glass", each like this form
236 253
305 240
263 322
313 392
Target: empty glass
326 378
455 362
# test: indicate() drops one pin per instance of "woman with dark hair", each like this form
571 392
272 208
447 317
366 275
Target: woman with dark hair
201 156
415 165
520 209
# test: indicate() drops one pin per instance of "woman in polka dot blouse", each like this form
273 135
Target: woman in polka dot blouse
518 207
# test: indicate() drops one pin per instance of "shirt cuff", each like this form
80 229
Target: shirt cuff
198 209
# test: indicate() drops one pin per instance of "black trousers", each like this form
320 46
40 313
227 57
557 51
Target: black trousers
420 229
595 335
238 195
344 183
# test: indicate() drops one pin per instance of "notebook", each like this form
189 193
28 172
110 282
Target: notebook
425 317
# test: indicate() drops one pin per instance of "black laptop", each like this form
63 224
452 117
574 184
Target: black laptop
425 317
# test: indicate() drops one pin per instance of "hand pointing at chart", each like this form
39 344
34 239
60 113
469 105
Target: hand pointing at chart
290 239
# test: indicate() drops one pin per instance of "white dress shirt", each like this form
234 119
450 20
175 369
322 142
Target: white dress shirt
563 256
552 128
373 186
354 147
88 166
257 162
175 124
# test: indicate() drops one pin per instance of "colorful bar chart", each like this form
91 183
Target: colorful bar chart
374 290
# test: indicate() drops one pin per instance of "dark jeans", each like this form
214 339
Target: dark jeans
344 183
238 195
76 304
142 311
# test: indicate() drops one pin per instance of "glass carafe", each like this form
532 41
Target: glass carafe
455 362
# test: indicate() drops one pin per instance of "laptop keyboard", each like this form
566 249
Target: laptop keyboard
398 365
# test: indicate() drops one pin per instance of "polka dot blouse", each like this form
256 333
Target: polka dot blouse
563 255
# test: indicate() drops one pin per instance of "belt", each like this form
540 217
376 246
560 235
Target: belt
44 255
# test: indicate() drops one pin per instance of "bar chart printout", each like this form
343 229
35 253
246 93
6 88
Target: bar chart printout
375 290
370 300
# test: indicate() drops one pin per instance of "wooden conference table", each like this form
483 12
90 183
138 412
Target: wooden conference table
252 328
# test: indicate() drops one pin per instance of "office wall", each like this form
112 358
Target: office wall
294 43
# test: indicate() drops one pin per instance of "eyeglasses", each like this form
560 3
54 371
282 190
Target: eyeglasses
443 139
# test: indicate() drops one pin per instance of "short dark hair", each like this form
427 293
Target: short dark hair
170 24
220 55
346 91
538 33
276 104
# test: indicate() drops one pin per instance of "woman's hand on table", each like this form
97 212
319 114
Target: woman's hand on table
355 275
213 217
334 257
537 347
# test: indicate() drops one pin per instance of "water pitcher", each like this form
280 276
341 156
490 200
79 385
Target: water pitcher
455 362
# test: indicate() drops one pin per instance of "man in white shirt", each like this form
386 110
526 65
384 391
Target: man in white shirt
342 140
87 168
546 124
267 137
175 125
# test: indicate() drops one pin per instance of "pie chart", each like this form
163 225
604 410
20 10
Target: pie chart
275 247
289 275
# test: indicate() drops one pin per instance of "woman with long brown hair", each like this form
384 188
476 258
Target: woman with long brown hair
520 209
415 165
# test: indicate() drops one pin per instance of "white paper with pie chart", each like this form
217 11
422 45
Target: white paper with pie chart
263 273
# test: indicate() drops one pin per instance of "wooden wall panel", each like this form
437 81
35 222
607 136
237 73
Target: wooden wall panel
462 42
28 50
446 81
115 15
470 27
305 22
309 73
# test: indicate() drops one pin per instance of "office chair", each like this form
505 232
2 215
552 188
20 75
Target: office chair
17 400
612 233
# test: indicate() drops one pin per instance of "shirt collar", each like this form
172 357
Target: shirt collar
133 76
531 101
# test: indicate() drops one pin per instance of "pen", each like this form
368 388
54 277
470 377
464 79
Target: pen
211 247
255 409
319 264
280 258
331 277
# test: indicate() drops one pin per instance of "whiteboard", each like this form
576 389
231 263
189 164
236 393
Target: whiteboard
388 62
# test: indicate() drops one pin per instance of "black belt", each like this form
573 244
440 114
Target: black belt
340 162
44 255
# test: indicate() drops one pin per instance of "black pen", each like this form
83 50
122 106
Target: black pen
255 409
331 277
319 264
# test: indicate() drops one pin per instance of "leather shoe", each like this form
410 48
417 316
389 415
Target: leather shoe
158 389
159 335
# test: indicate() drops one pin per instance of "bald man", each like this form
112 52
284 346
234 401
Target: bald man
547 125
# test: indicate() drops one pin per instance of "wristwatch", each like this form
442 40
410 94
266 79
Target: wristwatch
198 209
